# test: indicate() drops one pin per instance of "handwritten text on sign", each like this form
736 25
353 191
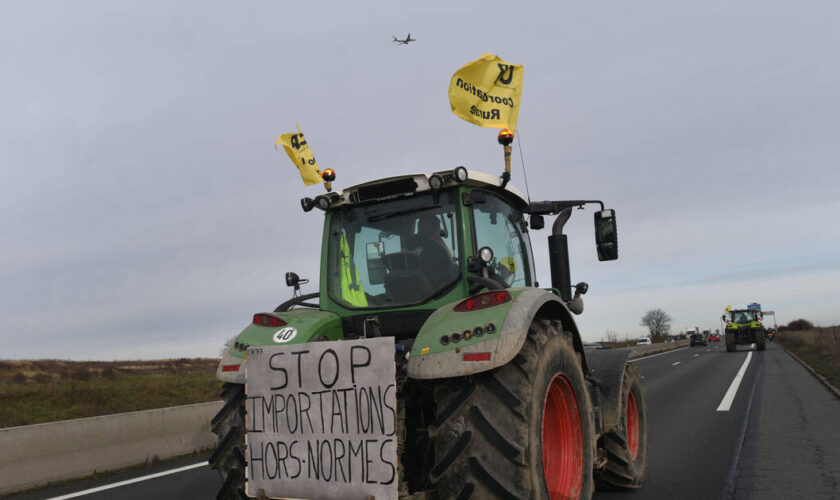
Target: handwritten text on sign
321 419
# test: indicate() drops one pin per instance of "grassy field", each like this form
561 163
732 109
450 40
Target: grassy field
36 391
819 347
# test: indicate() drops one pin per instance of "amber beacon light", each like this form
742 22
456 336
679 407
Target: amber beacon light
328 175
506 139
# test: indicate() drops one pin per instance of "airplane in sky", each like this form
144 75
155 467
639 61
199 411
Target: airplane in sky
406 41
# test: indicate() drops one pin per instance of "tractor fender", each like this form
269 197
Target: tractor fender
606 372
454 360
299 326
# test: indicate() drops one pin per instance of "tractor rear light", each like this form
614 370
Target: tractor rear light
444 340
455 338
482 301
230 368
476 356
263 319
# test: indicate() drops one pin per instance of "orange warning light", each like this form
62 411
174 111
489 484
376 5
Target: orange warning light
505 137
328 175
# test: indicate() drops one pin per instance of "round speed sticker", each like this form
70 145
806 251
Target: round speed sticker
285 334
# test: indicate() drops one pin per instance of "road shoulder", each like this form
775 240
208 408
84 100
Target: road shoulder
796 451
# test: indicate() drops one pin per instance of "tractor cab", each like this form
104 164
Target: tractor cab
402 247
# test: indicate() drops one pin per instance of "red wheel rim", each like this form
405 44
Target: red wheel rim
632 426
562 446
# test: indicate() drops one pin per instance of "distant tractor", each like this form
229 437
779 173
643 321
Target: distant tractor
497 396
743 327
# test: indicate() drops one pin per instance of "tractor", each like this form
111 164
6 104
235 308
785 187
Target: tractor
496 396
743 327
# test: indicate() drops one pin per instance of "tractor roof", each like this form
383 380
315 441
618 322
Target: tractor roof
406 185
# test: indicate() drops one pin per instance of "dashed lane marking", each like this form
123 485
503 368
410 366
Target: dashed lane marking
675 364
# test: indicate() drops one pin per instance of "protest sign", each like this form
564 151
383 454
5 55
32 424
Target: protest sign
321 420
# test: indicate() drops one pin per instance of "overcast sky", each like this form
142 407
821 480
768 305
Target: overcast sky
144 212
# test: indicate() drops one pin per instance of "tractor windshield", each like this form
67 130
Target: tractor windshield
742 317
396 253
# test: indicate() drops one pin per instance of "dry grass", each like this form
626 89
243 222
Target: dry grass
819 347
46 390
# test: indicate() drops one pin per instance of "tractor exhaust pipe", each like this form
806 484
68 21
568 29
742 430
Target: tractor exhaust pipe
558 256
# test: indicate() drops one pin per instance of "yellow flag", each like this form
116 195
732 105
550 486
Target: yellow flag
486 92
300 154
728 308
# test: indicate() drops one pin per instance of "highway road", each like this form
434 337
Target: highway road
772 432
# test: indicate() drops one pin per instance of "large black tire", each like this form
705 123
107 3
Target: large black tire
488 433
626 445
229 457
730 342
760 341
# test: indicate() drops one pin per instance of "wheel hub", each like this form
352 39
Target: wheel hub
562 446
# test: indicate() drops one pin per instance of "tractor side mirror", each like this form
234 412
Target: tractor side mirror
375 264
537 221
606 235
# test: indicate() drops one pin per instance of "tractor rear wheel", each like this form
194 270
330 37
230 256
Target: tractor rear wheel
626 445
760 341
523 430
730 342
229 458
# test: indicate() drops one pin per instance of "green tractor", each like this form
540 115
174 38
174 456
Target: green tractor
743 327
496 396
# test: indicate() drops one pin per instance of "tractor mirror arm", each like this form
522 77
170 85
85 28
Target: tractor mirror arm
554 207
488 283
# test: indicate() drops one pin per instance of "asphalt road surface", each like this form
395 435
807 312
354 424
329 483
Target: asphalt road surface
774 434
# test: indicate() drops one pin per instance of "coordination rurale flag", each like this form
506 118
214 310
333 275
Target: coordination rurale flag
300 154
486 92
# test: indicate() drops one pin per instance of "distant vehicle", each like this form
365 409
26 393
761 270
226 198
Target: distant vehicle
593 345
670 339
743 327
698 339
404 41
644 341
714 337
771 334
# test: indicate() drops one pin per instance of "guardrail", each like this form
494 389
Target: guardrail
35 455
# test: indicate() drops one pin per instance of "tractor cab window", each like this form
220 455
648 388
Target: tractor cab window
742 316
397 253
501 227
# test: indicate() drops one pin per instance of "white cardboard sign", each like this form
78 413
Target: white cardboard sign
321 420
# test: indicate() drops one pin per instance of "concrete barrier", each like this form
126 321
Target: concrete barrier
639 351
35 455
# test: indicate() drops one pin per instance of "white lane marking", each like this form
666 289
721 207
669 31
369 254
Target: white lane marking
675 364
130 481
696 355
752 346
726 402
708 350
659 354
